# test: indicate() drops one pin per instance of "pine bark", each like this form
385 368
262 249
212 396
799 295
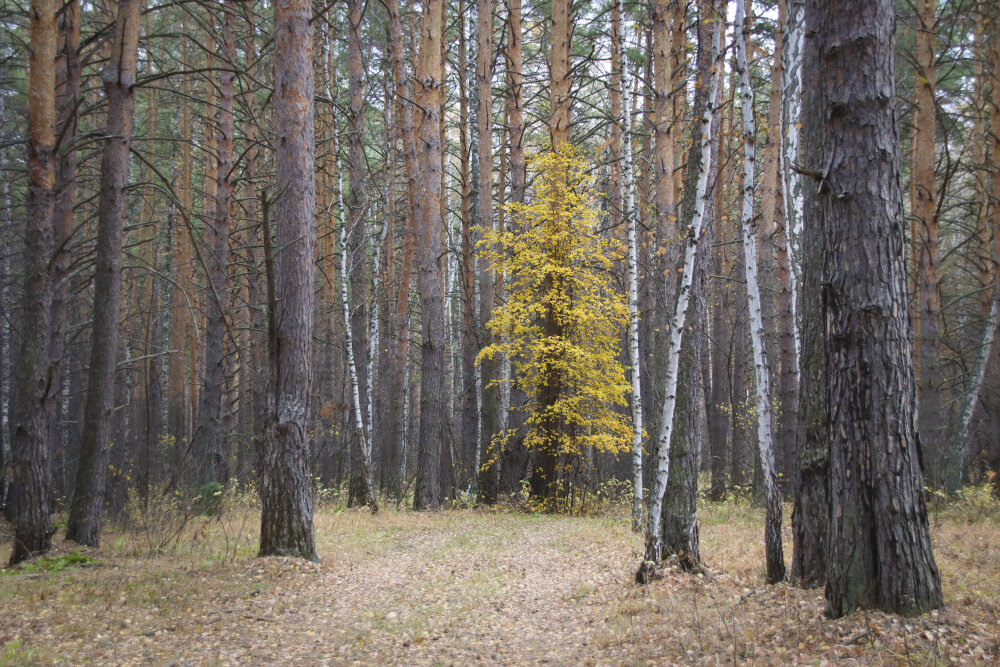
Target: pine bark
490 418
993 404
29 479
210 436
879 555
68 69
433 401
286 512
543 481
809 511
394 379
182 308
87 506
559 89
926 243
465 450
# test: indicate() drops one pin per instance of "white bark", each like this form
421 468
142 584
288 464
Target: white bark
654 538
765 437
628 202
960 436
359 421
373 337
792 194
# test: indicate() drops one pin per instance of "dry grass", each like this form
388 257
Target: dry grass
464 587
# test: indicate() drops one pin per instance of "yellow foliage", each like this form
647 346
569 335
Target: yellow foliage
561 323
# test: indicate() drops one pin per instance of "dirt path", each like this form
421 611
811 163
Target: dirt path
451 588
459 592
464 588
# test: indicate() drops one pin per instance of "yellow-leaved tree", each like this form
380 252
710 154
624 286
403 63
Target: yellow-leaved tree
560 326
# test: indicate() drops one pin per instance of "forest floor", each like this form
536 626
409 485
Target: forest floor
467 587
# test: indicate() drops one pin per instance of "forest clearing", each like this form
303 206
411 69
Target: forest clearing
473 587
424 331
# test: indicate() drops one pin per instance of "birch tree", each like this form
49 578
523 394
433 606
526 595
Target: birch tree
631 216
772 531
362 428
653 535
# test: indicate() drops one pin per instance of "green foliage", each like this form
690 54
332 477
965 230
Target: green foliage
209 500
52 564
561 323
973 504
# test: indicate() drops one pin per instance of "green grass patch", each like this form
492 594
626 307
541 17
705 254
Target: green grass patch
51 564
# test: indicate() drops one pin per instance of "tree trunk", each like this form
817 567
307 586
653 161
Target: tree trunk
545 457
879 554
467 440
631 215
654 538
772 210
182 309
357 238
923 207
560 81
84 524
960 433
208 443
362 491
514 459
286 512
395 386
433 401
772 529
64 222
490 418
810 483
29 453
615 193
993 404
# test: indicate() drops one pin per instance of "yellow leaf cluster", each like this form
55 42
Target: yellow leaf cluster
561 323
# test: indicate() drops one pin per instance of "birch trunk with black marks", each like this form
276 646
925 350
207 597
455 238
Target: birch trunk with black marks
363 482
653 524
632 219
960 433
772 503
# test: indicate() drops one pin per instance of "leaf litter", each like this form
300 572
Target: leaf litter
463 587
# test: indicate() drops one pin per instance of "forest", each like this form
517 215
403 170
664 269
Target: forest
500 331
